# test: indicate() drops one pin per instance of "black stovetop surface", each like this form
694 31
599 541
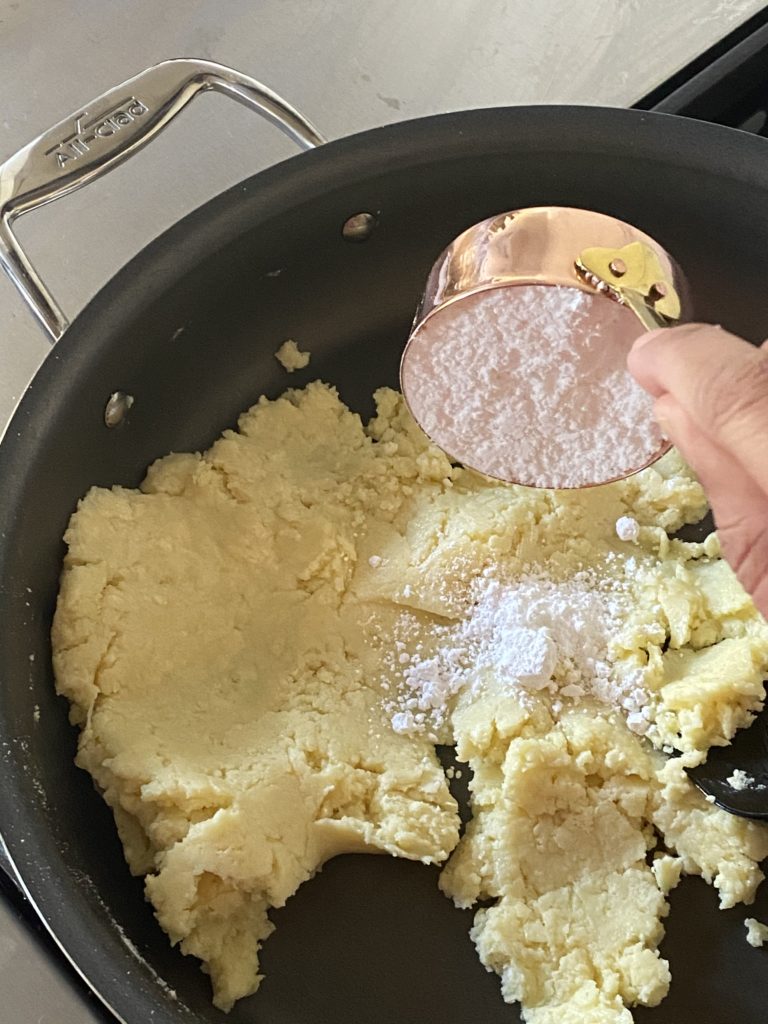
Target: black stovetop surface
728 84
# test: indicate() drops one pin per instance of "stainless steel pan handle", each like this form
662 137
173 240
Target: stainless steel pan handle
102 134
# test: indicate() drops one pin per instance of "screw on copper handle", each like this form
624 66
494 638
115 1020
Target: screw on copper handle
634 276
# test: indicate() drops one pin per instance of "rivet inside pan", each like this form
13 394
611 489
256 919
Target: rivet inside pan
117 408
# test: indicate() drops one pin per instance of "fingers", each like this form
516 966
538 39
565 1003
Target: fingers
711 392
718 380
646 363
739 503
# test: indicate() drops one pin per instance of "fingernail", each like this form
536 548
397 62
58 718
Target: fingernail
645 338
677 329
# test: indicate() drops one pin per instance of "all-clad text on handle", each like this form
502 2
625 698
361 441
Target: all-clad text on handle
102 134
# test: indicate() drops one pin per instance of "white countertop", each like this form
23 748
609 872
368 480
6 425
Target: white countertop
347 65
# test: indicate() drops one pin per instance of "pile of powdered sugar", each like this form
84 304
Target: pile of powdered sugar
526 635
529 384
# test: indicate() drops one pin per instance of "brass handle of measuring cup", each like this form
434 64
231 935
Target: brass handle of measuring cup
558 245
103 133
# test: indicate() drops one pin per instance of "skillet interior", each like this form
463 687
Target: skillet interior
370 938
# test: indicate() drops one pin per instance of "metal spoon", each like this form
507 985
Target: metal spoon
748 752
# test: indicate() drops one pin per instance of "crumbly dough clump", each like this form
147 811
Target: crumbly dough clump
757 932
290 356
224 635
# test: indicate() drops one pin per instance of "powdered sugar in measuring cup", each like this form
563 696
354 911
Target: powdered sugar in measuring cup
517 364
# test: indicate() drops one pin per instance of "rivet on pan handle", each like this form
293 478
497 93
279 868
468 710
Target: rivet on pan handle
102 134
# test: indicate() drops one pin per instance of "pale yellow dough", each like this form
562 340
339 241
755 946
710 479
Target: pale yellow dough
225 633
290 356
757 932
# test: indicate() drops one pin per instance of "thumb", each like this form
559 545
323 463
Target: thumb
718 380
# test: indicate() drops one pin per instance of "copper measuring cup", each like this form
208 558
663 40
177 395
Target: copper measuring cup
553 246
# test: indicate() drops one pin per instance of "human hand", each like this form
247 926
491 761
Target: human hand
711 391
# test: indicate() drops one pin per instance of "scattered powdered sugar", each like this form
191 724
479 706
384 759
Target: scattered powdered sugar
529 384
740 781
86 882
529 634
627 528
